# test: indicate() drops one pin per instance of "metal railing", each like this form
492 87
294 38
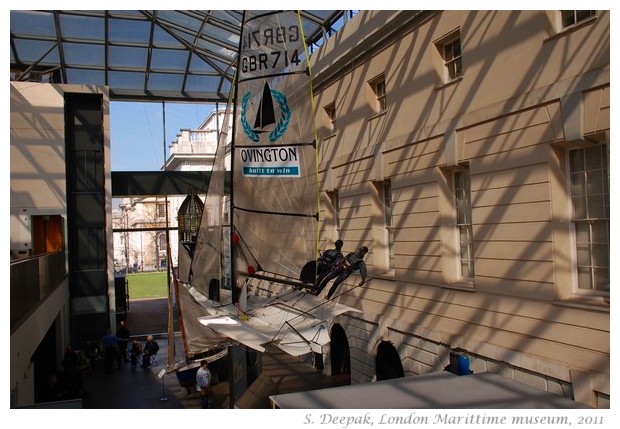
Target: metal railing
32 280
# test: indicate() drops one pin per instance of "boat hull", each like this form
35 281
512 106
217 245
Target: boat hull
186 375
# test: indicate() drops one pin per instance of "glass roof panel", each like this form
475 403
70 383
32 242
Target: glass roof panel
169 59
121 56
129 30
231 17
33 50
203 83
217 50
84 55
197 65
182 19
121 13
127 53
86 76
221 34
164 81
126 80
82 27
33 23
163 39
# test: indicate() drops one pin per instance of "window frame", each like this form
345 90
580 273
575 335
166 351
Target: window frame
161 210
161 242
378 86
449 231
334 200
563 15
468 226
455 59
556 26
388 221
330 111
575 286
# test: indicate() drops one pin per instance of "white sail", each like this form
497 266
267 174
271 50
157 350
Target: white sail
275 195
275 183
198 281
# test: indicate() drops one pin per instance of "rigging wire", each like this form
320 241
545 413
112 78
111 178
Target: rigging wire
317 306
316 140
146 115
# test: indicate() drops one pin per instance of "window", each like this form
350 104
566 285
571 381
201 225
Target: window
572 17
161 210
589 190
387 218
330 111
378 88
452 58
162 242
456 232
449 62
559 21
462 204
335 202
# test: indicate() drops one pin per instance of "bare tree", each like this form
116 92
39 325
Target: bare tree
154 221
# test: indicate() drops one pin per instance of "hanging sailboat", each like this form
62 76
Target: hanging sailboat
201 229
275 196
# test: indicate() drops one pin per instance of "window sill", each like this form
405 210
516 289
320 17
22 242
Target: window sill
385 275
571 28
462 286
378 115
442 85
588 302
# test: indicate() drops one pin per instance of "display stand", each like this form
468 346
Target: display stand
162 375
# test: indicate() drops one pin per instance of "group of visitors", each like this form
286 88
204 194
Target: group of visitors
117 351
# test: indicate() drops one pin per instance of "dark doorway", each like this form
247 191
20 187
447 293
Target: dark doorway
45 364
388 362
340 354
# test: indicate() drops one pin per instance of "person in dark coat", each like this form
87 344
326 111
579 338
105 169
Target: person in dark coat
354 261
150 349
122 333
110 344
329 261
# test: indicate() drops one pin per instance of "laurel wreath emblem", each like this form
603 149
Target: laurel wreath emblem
280 127
284 121
244 122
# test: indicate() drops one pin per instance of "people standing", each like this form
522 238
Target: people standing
150 349
123 333
354 261
110 350
203 382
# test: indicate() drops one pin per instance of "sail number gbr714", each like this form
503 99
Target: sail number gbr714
277 38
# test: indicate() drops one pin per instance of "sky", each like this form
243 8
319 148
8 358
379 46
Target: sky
137 131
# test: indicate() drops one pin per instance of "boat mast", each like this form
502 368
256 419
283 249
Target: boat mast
171 343
233 277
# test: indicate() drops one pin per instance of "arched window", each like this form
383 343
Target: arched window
340 355
387 363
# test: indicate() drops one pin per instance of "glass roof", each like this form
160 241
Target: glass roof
141 54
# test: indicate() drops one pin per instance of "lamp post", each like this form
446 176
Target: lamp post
126 209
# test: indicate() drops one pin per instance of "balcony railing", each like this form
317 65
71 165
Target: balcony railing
32 280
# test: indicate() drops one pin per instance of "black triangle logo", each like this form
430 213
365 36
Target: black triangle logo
265 115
